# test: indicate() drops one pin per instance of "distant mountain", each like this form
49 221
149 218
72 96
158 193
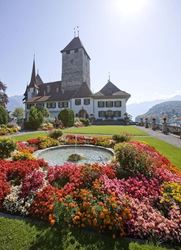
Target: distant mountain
171 110
15 102
136 109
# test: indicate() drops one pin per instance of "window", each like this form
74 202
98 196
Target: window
86 101
117 113
77 101
109 104
100 104
101 113
68 52
63 104
76 50
117 104
40 105
51 105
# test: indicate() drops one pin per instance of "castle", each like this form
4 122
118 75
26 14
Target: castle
74 90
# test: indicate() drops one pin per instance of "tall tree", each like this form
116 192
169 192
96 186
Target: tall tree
18 113
3 95
3 115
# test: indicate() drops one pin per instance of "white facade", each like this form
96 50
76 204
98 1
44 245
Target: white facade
102 109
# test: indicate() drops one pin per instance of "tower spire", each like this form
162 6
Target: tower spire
33 74
109 76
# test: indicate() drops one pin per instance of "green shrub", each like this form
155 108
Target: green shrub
85 121
46 142
136 246
35 119
55 134
67 117
7 146
121 138
132 160
3 115
74 157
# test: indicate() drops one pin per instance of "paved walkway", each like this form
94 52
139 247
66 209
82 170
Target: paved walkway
170 138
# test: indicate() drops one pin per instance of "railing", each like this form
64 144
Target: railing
164 127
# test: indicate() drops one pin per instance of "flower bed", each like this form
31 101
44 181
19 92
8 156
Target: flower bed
8 129
102 197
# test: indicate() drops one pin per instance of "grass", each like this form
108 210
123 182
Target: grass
171 152
106 130
27 136
20 235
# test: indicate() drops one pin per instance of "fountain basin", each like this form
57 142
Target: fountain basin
90 154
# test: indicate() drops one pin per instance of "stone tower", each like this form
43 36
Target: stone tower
75 65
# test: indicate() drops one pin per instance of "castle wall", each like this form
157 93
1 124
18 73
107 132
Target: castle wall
75 69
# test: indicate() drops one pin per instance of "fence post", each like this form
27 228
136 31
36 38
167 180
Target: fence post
146 122
164 126
141 122
154 124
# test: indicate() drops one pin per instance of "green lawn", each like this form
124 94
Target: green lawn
20 235
106 130
27 136
171 152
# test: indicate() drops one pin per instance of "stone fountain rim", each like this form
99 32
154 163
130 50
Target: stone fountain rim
39 152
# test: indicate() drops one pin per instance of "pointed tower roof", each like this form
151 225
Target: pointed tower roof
38 79
33 76
75 44
110 90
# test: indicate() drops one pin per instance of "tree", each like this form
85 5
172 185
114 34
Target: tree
127 118
44 111
3 115
67 117
3 96
35 118
18 113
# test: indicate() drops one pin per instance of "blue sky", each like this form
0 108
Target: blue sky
139 44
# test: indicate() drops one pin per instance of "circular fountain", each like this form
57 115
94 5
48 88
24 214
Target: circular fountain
88 154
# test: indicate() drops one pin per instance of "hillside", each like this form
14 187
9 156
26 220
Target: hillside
135 109
171 110
15 102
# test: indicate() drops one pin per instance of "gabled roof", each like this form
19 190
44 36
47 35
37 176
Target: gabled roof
51 91
75 44
111 90
83 91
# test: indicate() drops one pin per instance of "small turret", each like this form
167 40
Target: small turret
32 88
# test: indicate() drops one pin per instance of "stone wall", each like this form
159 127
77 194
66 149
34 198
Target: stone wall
75 69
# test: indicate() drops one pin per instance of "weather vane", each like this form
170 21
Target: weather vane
76 31
109 76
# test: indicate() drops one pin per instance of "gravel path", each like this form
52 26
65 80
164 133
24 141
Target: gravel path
170 138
